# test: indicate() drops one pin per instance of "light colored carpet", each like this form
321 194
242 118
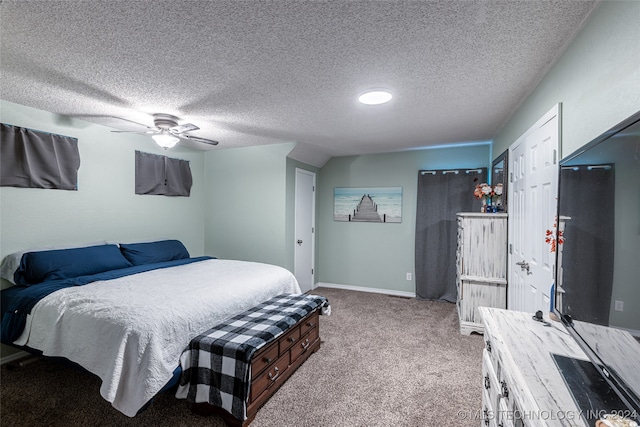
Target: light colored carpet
384 361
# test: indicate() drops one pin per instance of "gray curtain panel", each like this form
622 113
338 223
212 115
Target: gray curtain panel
33 159
441 195
162 175
587 196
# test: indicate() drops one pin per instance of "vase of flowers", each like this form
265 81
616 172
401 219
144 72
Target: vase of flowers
491 197
483 192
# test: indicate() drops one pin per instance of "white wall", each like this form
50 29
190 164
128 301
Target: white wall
105 206
597 80
246 203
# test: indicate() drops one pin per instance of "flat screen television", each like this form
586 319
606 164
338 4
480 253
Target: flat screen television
598 263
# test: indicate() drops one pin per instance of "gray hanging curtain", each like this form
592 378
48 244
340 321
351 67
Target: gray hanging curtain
588 199
33 159
441 195
162 175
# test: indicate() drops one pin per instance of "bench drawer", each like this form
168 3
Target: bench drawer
263 359
269 377
303 345
309 323
289 339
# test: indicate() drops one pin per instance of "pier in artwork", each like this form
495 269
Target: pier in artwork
367 211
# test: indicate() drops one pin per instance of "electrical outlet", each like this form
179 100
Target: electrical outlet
408 276
618 305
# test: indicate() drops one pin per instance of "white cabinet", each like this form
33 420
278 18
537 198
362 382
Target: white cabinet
522 385
481 259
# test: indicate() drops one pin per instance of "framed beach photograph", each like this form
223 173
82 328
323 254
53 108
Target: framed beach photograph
367 204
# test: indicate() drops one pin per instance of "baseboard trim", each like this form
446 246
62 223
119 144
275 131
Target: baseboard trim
15 356
364 289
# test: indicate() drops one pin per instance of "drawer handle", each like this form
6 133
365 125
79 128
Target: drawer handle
274 377
505 389
486 417
488 343
305 344
487 383
266 360
311 324
291 339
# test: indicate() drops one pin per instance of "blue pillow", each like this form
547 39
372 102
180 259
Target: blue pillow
41 266
151 252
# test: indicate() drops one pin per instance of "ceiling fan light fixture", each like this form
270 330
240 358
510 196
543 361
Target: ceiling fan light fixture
375 97
165 140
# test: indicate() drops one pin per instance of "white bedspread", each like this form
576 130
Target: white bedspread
131 331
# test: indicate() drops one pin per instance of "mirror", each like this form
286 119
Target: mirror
499 174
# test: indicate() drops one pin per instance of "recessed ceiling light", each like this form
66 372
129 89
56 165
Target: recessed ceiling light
375 97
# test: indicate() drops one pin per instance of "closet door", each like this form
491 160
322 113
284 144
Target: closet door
532 210
305 224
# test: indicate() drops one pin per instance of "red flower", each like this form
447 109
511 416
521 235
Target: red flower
554 237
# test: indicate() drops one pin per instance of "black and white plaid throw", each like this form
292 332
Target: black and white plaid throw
216 365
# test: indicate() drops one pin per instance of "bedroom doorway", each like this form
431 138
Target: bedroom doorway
305 208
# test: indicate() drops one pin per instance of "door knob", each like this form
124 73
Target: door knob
300 242
524 266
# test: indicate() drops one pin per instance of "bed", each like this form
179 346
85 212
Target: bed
127 312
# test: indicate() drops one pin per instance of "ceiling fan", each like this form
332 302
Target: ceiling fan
166 131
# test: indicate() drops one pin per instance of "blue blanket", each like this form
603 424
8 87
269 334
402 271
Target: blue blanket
18 301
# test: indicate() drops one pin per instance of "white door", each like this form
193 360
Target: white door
532 209
517 226
305 228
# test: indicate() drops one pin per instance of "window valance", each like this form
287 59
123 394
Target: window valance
34 159
162 175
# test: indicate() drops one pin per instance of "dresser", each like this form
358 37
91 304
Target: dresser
481 266
522 384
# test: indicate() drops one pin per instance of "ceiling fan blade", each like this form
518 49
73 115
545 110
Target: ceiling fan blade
187 127
150 131
141 132
131 121
197 139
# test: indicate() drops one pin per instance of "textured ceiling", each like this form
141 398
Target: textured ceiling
255 72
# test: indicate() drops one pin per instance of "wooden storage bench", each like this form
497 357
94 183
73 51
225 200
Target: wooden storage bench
271 365
292 349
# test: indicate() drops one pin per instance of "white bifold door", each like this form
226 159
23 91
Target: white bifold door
533 190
